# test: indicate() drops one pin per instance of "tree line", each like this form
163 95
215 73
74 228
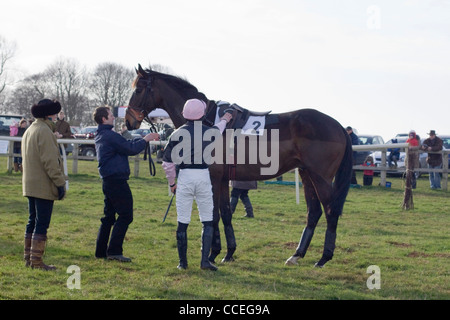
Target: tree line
78 90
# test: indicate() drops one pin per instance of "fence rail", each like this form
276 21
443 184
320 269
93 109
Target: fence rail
383 168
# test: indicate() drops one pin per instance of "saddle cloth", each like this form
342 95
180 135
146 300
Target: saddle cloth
251 122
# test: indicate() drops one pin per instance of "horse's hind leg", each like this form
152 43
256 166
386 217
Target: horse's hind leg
216 245
330 240
314 214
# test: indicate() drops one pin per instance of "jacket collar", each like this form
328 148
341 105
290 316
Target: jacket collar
102 127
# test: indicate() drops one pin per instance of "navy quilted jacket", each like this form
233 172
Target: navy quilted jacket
113 151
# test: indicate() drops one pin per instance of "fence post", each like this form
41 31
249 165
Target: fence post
10 164
383 172
445 170
75 159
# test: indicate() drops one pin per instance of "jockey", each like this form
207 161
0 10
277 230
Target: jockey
194 181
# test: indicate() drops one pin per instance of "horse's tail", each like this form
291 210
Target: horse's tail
343 178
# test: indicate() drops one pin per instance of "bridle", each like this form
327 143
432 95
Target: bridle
142 115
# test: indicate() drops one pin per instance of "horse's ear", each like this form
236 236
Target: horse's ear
141 72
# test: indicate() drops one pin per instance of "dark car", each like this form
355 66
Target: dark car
366 139
87 150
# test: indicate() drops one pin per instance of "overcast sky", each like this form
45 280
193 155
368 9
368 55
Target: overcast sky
382 67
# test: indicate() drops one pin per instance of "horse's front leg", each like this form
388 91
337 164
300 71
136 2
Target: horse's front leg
216 245
226 219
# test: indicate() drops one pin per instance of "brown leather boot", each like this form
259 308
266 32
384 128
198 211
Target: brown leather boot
27 249
37 251
16 167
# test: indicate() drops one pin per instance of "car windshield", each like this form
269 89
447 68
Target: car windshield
88 130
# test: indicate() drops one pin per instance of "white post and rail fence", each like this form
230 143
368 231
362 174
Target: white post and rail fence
7 150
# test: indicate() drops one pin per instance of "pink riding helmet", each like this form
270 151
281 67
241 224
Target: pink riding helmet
194 109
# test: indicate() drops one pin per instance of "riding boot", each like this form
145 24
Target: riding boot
233 203
248 207
16 167
38 242
231 243
27 249
182 245
304 242
207 235
328 248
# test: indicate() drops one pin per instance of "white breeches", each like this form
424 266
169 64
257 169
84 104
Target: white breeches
194 184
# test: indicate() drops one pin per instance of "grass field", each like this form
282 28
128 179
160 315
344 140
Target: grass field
411 248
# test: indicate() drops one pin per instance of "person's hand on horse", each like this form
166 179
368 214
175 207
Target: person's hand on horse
151 137
227 117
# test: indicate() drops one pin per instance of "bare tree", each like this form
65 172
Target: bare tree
69 81
27 92
111 84
7 51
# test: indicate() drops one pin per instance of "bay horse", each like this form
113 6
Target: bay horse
309 140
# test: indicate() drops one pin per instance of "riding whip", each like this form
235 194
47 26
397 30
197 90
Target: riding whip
170 203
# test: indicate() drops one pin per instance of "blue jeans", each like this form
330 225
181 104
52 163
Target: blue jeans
435 177
40 211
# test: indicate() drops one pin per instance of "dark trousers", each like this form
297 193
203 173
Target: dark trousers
118 199
367 180
40 211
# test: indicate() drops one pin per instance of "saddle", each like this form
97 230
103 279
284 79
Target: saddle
241 115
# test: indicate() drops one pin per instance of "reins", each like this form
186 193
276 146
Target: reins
148 150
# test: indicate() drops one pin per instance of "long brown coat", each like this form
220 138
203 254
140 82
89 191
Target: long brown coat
43 169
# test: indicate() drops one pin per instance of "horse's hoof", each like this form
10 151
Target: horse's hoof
317 265
292 261
225 260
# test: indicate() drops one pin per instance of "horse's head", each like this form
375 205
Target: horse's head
143 101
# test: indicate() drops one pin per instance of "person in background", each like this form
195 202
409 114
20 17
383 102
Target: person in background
62 129
240 190
114 169
434 160
394 155
43 179
18 145
355 141
368 174
413 154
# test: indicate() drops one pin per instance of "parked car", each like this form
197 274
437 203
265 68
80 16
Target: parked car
139 133
87 150
366 139
6 120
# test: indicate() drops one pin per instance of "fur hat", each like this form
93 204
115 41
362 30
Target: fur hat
45 107
194 109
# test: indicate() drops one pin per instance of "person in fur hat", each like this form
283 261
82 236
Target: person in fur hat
43 179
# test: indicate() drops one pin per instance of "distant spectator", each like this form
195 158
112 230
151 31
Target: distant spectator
18 146
368 174
394 155
413 154
434 160
240 190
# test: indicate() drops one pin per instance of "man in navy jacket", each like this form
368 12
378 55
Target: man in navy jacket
112 155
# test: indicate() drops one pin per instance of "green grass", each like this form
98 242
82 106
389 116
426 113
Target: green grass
410 247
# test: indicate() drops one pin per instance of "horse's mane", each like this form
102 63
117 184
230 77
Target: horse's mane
187 89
